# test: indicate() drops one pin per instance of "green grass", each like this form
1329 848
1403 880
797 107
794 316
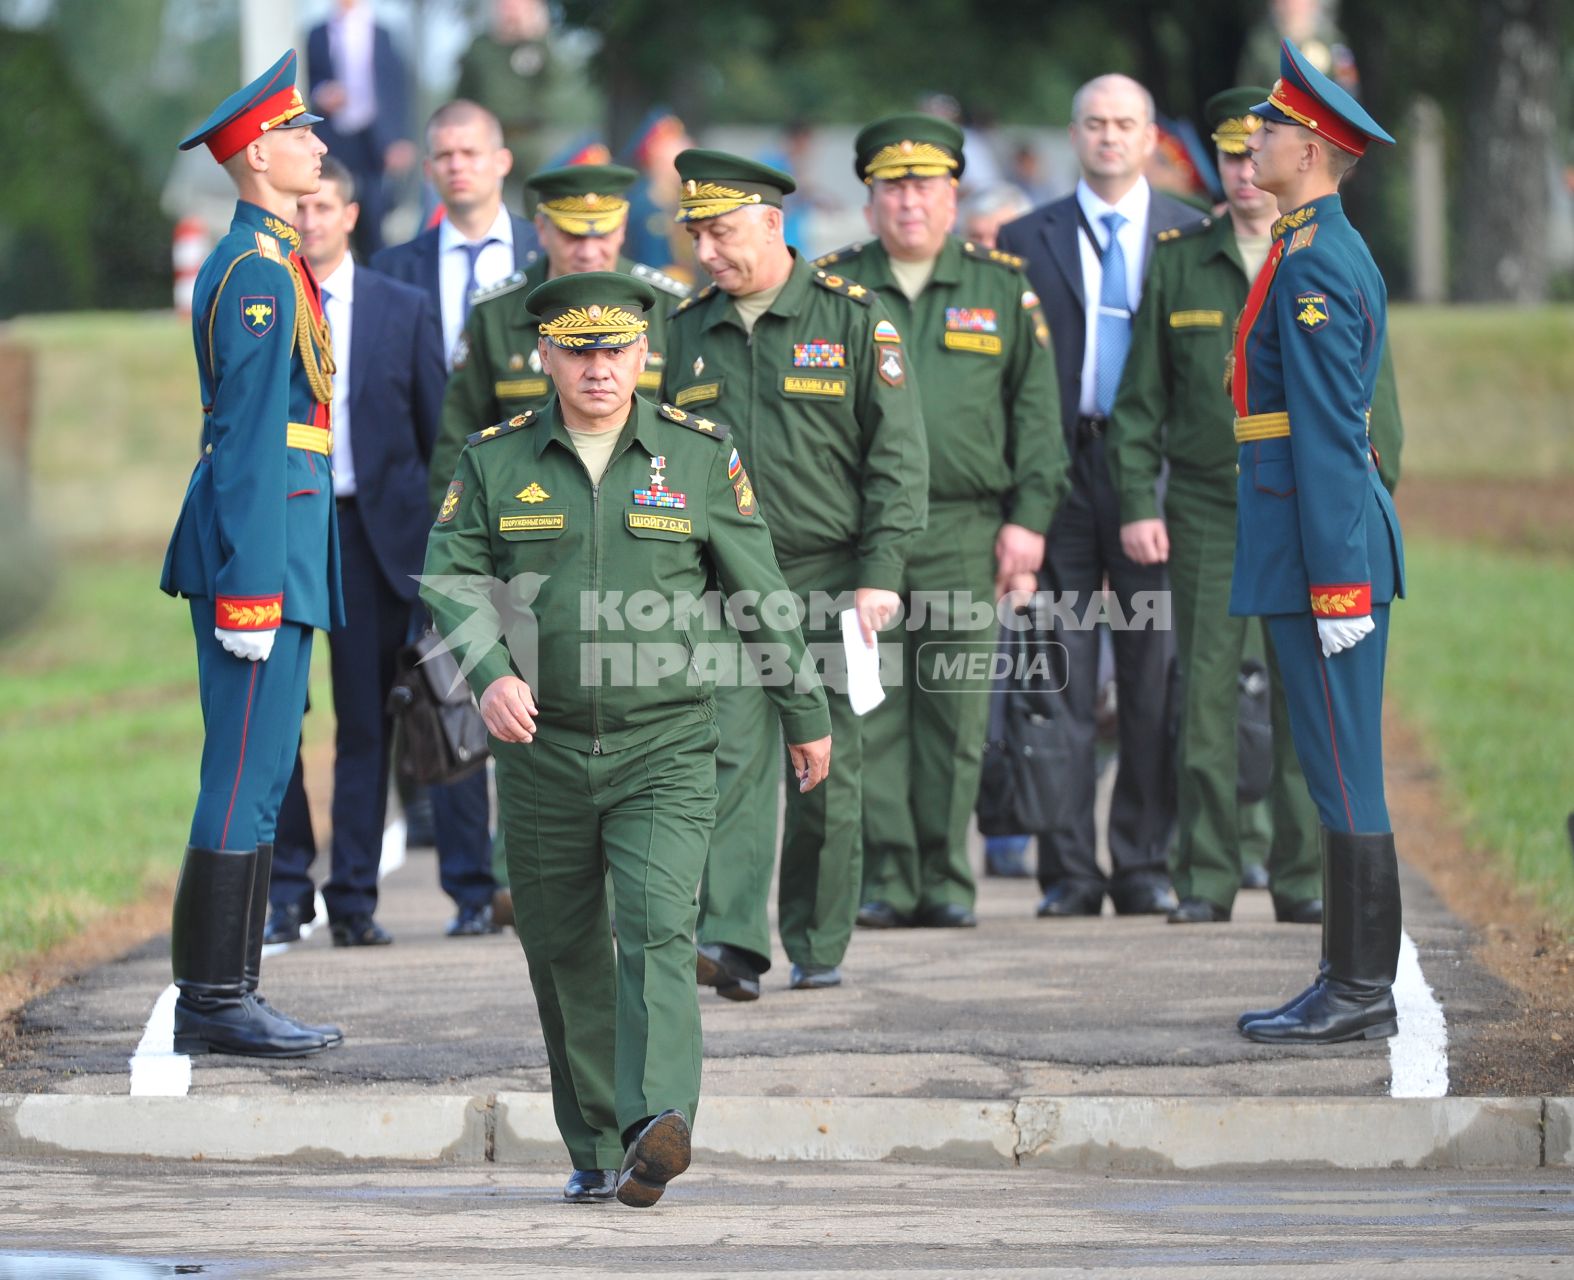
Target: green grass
1479 658
1485 391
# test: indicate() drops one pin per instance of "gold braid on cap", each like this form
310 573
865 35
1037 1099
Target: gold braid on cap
1231 135
711 200
587 326
589 212
296 108
908 159
1275 99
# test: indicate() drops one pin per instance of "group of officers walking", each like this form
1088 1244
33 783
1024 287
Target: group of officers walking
916 418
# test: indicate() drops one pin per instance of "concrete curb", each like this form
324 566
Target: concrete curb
1090 1133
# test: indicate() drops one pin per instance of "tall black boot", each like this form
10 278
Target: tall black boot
256 926
208 939
1356 998
1262 1015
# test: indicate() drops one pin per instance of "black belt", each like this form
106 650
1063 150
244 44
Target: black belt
344 500
1090 426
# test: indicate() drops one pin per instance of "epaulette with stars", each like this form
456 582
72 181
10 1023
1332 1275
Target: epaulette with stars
694 422
659 280
847 288
836 255
998 256
708 291
1184 233
503 428
506 285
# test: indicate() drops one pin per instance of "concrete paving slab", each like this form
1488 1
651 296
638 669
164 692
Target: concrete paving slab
1559 1149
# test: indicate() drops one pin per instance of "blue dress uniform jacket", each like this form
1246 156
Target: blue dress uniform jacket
1316 529
256 532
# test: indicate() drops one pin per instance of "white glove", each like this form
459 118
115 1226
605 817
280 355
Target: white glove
1338 634
254 646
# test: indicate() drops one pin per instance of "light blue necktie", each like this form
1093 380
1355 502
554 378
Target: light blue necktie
1112 340
472 254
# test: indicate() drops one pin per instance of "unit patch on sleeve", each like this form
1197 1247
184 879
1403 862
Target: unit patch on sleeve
885 331
1311 311
450 501
892 370
257 314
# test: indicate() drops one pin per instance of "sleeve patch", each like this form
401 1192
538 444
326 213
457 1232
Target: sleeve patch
1311 311
257 313
892 370
450 501
885 331
743 491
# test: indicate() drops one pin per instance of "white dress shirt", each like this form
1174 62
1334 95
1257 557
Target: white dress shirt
339 303
1133 206
496 262
351 34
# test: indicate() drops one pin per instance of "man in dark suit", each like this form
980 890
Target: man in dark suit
360 83
1086 256
476 243
388 389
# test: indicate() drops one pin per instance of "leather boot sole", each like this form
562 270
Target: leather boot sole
1377 1031
195 1046
728 985
656 1157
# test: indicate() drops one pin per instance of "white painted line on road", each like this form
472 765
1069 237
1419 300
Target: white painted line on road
157 1071
1418 1055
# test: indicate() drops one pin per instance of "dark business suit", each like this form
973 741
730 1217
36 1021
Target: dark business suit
1083 548
461 811
363 152
395 402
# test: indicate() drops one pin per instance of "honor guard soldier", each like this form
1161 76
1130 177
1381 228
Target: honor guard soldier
602 492
255 551
1318 550
979 357
1171 409
811 373
581 218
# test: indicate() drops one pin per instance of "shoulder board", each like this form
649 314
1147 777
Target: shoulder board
694 422
269 248
659 280
503 428
1184 233
847 288
708 291
998 256
837 255
506 285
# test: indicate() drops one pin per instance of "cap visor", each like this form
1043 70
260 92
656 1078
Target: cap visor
300 121
1267 111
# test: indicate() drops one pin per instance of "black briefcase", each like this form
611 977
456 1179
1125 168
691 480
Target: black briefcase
1025 753
442 735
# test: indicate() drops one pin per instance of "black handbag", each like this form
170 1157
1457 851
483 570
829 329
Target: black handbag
1026 751
442 735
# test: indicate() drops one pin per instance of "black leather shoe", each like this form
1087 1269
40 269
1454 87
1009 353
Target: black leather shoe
1334 1012
474 922
1254 876
240 1026
503 907
1145 895
731 970
359 931
657 1156
881 915
1263 1015
815 977
1068 898
1307 911
284 924
946 915
1199 911
586 1186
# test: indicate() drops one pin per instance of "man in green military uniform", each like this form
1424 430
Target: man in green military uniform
979 353
581 219
808 368
1172 407
604 727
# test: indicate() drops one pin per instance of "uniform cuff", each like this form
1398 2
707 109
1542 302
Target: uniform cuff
1342 600
248 613
1031 511
1138 505
881 572
808 725
490 668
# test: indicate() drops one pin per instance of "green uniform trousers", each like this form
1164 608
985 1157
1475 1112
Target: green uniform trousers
924 744
622 1034
1209 646
822 845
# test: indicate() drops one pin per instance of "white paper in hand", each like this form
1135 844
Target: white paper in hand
863 667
